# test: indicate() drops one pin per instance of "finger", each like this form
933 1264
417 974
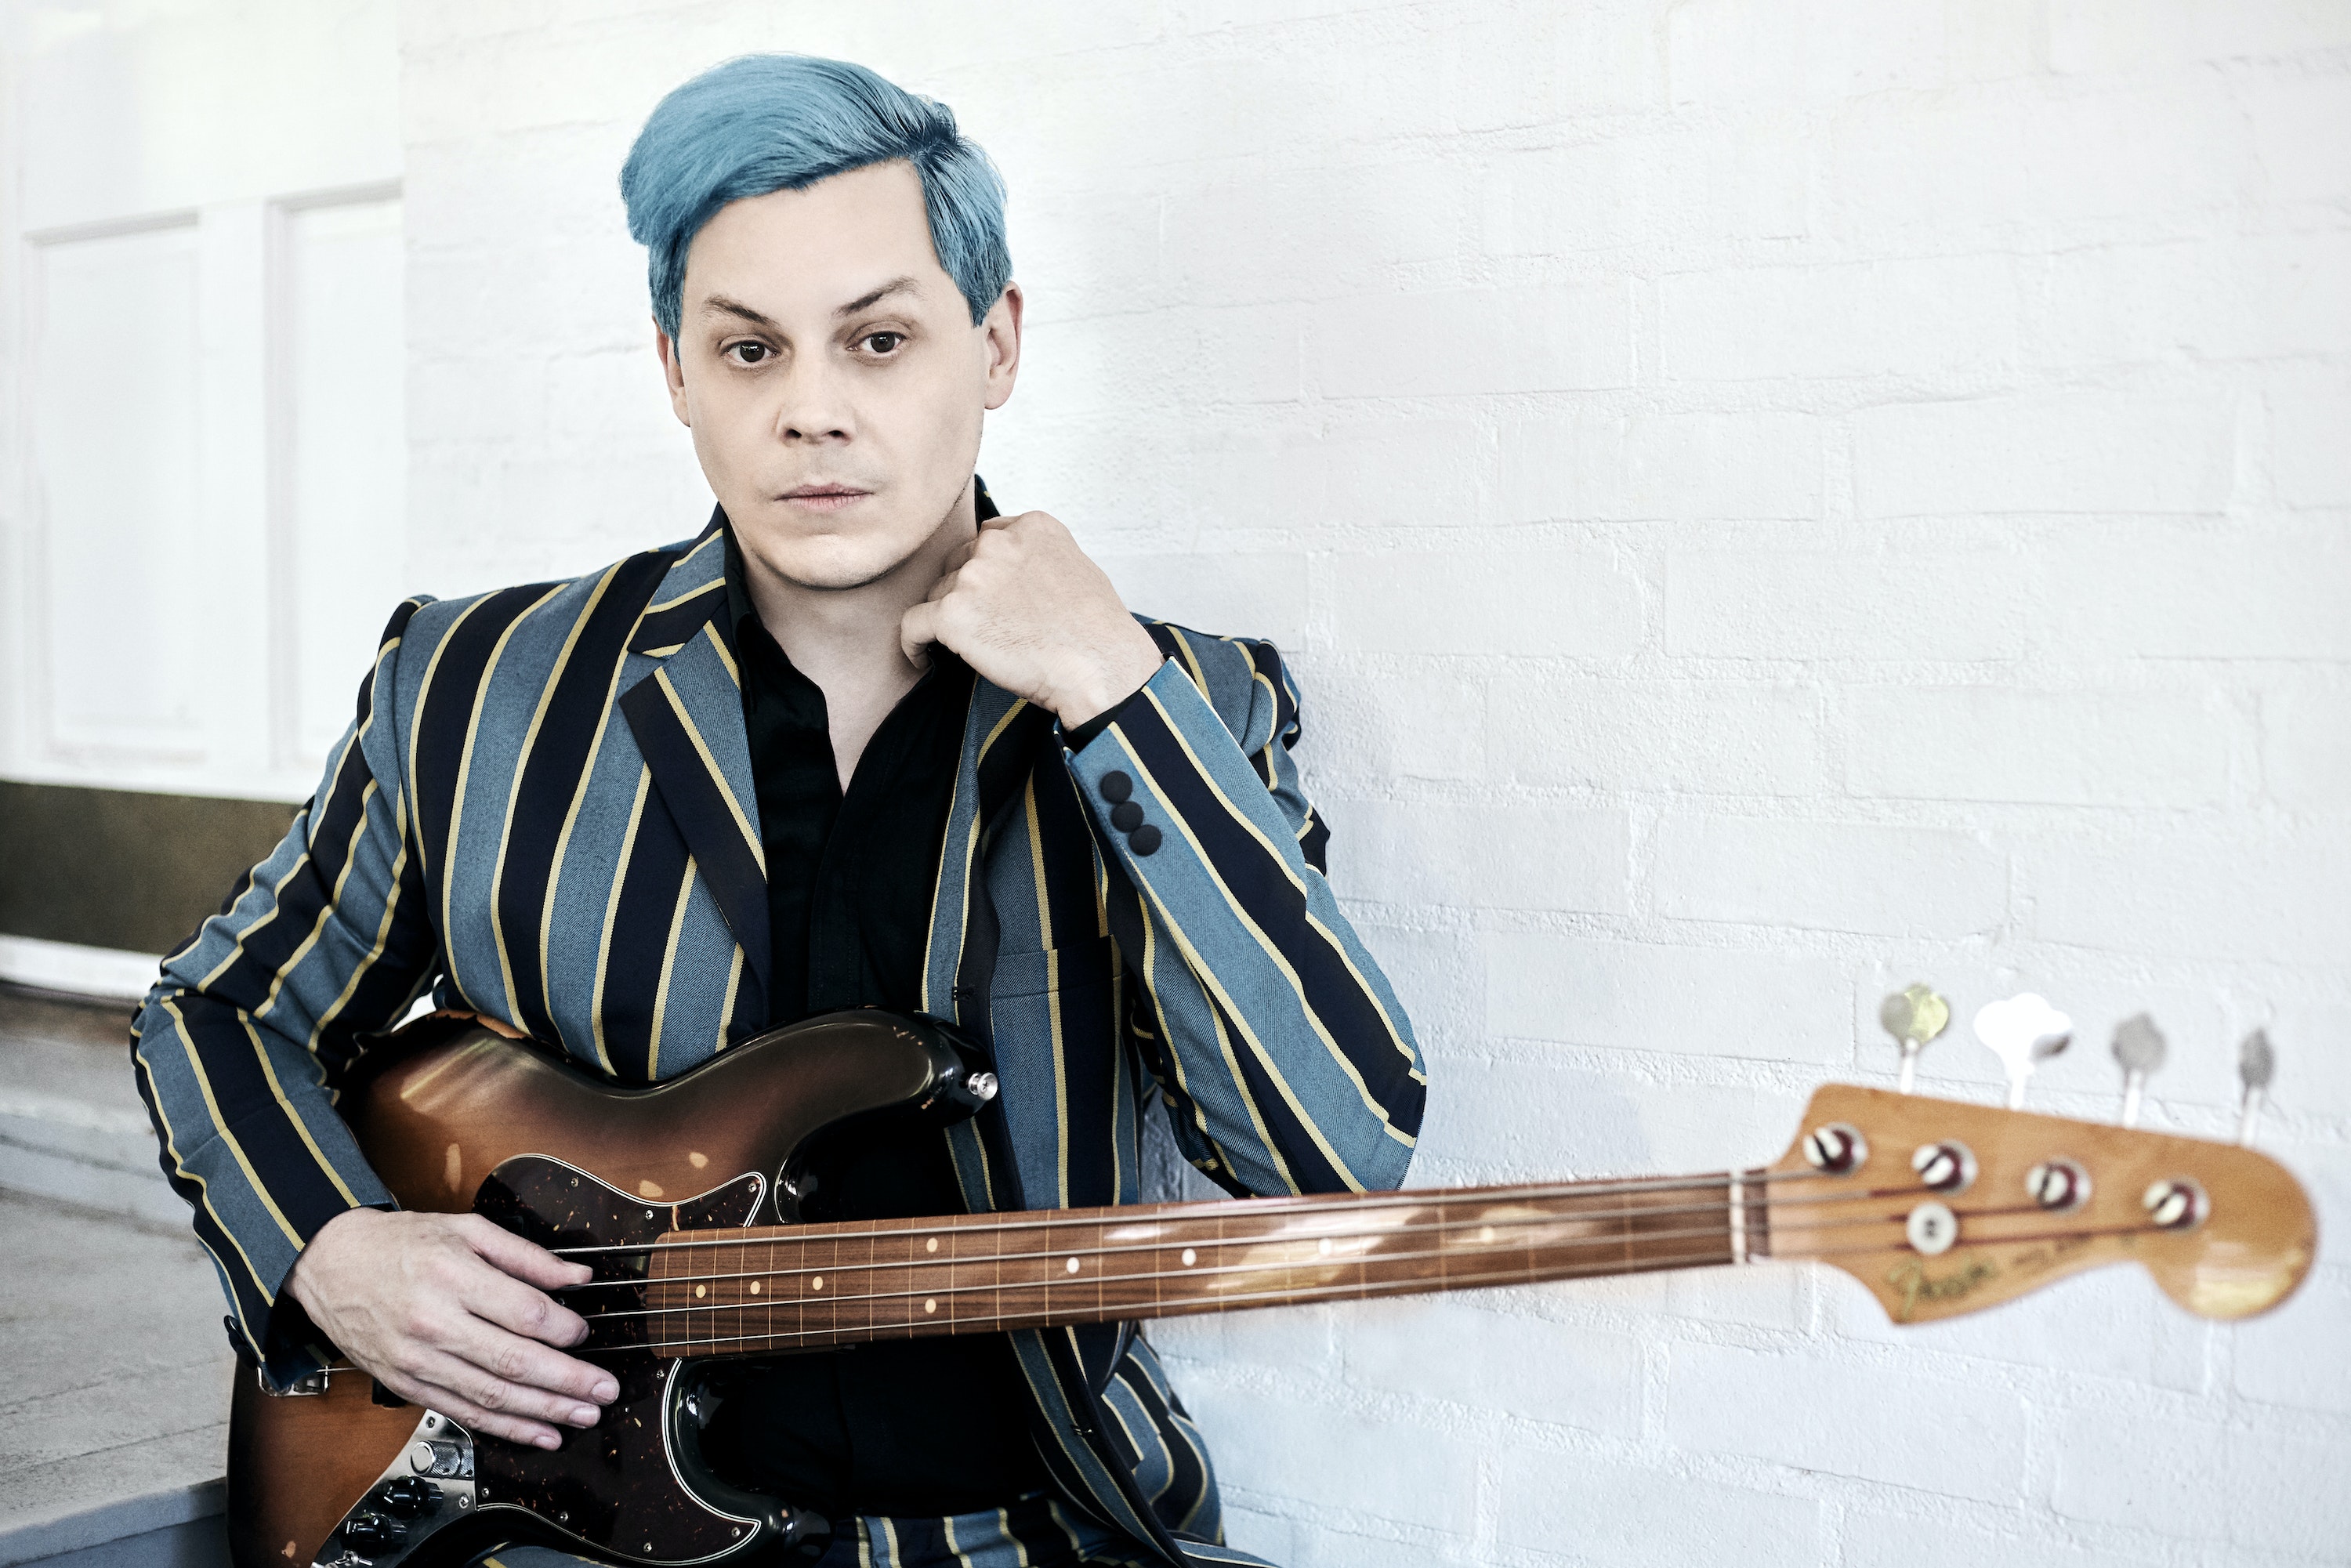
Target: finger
523 1260
957 555
944 586
999 521
449 1388
520 1309
917 630
552 1384
512 1377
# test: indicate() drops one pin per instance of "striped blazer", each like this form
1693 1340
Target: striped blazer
543 811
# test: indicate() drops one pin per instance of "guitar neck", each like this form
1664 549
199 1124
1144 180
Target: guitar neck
764 1289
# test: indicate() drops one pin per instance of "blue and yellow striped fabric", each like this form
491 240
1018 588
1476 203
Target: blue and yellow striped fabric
543 813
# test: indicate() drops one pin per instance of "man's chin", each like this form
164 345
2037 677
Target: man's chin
834 565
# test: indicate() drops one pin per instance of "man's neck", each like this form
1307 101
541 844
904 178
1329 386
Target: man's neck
846 639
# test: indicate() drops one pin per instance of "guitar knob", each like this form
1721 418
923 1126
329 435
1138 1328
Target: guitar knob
407 1497
1947 1167
367 1532
1836 1148
2178 1204
2059 1186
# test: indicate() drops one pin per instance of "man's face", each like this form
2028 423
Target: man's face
831 375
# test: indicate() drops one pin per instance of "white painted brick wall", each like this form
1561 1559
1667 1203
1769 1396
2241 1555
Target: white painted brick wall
1769 499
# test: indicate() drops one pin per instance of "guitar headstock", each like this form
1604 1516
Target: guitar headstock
1941 1208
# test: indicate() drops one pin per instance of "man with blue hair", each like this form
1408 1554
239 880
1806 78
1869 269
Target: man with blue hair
863 740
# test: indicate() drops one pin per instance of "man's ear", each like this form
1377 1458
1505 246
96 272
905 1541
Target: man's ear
673 372
1000 329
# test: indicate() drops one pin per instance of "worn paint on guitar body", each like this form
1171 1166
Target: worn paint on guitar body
467 1121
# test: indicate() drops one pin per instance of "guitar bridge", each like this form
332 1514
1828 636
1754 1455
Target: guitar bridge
305 1388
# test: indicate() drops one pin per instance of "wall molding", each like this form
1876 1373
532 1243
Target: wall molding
69 967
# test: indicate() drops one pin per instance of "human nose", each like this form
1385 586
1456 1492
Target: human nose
812 405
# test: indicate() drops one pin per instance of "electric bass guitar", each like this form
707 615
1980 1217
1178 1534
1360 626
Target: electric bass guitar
687 1201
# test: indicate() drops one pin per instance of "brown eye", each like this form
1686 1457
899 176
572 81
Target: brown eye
748 354
883 342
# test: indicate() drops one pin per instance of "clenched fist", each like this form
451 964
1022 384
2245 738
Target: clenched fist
1024 608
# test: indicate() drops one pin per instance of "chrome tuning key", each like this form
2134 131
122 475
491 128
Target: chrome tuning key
2139 1047
1913 1016
2255 1064
2023 1031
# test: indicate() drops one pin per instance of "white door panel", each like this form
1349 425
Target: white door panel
346 450
111 394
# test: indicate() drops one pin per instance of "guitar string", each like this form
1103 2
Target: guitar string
787 1239
1000 1321
1147 1213
997 1322
1195 1272
2016 1241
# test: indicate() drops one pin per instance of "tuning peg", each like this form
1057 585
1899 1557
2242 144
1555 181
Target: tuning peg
2138 1046
2022 1031
2256 1062
1913 1016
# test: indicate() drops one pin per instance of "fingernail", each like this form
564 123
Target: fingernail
548 1440
605 1392
583 1414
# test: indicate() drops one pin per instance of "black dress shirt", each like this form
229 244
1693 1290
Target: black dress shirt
850 876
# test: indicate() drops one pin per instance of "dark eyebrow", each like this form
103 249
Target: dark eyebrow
862 301
721 304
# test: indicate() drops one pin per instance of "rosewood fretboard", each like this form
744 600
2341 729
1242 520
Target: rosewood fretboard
762 1289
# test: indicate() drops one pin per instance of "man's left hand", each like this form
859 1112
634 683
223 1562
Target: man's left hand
1024 607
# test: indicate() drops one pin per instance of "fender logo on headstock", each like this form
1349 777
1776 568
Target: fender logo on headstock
1910 1277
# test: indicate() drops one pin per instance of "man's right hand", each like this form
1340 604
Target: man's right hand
450 1311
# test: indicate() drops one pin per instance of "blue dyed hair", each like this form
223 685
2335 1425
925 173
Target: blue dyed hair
782 122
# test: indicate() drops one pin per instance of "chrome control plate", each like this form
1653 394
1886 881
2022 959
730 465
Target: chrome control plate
428 1486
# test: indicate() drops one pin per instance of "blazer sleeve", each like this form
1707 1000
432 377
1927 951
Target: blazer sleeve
241 1045
1286 1061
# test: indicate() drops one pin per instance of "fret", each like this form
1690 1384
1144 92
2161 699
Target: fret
893 1255
766 1258
857 1287
818 1267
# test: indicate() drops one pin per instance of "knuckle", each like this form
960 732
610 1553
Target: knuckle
493 1395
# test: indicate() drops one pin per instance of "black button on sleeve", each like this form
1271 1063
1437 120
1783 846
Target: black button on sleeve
1144 840
1126 816
1116 786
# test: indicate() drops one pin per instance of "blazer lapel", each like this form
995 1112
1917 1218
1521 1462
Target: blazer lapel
687 718
1000 739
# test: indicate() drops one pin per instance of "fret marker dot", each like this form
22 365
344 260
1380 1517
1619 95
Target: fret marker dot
931 1245
931 1305
1486 1233
817 1283
755 1287
700 1292
1190 1256
1323 1247
1073 1265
